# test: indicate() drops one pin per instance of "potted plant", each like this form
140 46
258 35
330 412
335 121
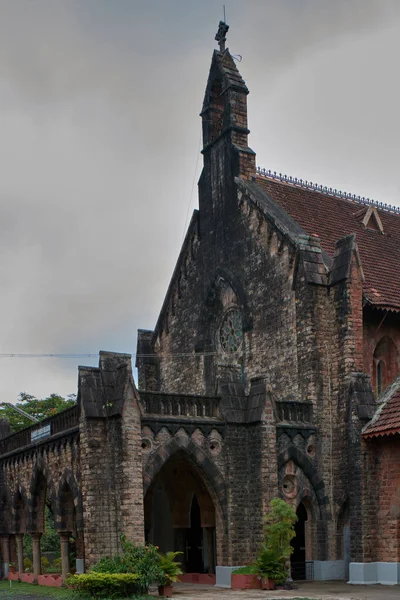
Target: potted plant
245 578
275 552
270 568
169 573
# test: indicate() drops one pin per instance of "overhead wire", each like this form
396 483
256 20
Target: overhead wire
96 355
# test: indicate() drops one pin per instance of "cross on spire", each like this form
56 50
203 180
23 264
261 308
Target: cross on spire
221 35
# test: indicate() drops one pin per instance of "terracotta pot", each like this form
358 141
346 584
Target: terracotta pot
267 584
245 582
165 590
27 577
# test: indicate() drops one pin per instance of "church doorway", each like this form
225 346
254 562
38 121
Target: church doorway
180 515
299 543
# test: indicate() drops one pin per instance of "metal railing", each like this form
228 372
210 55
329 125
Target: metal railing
67 419
315 187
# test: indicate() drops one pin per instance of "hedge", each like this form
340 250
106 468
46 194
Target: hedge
247 570
105 585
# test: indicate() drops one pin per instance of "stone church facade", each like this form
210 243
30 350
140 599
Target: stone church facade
279 330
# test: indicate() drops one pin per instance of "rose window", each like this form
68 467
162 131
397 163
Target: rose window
231 331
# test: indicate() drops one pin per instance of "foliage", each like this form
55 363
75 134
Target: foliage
44 562
27 564
276 549
39 408
141 560
170 569
247 570
279 528
50 541
104 585
57 563
269 566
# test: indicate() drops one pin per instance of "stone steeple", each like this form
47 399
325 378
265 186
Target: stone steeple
224 111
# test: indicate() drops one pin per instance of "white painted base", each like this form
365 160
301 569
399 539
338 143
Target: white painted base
385 573
329 570
5 570
223 576
80 566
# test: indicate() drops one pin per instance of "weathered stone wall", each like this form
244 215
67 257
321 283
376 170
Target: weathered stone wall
111 465
40 472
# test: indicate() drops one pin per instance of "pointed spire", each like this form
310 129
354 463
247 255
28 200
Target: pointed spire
221 35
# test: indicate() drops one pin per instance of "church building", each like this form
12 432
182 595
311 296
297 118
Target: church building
272 371
284 308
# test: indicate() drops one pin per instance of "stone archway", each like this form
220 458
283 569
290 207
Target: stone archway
180 513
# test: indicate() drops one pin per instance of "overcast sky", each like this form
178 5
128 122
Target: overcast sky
99 147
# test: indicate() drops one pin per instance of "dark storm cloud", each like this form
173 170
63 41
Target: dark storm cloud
99 134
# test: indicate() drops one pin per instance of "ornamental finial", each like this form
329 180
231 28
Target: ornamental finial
221 35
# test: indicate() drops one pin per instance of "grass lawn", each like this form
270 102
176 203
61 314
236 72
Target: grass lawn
27 589
38 592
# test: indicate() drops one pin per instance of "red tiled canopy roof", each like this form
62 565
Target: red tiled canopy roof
387 418
333 218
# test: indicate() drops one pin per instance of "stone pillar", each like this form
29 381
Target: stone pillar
210 549
19 538
64 543
5 550
37 564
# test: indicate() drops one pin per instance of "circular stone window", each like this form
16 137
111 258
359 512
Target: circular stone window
310 450
231 331
215 447
146 444
289 486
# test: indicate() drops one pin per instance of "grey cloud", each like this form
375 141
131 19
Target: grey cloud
99 133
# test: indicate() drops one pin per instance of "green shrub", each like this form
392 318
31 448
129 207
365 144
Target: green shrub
279 528
45 562
275 552
170 569
144 561
104 585
247 570
57 563
269 566
27 564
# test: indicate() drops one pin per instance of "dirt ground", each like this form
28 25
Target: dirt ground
310 590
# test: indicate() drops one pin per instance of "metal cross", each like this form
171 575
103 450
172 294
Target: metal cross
221 35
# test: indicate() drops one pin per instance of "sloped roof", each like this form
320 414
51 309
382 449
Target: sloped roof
386 420
332 218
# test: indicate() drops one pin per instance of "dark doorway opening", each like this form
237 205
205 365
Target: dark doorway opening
195 563
298 558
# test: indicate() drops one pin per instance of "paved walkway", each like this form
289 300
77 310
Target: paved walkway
311 590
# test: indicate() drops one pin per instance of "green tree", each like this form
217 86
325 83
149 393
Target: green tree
279 528
38 408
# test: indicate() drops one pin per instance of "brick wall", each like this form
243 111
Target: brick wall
382 503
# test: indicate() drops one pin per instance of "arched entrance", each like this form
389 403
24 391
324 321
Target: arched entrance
180 514
299 543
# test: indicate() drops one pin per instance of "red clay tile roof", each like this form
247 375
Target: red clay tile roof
387 418
332 218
